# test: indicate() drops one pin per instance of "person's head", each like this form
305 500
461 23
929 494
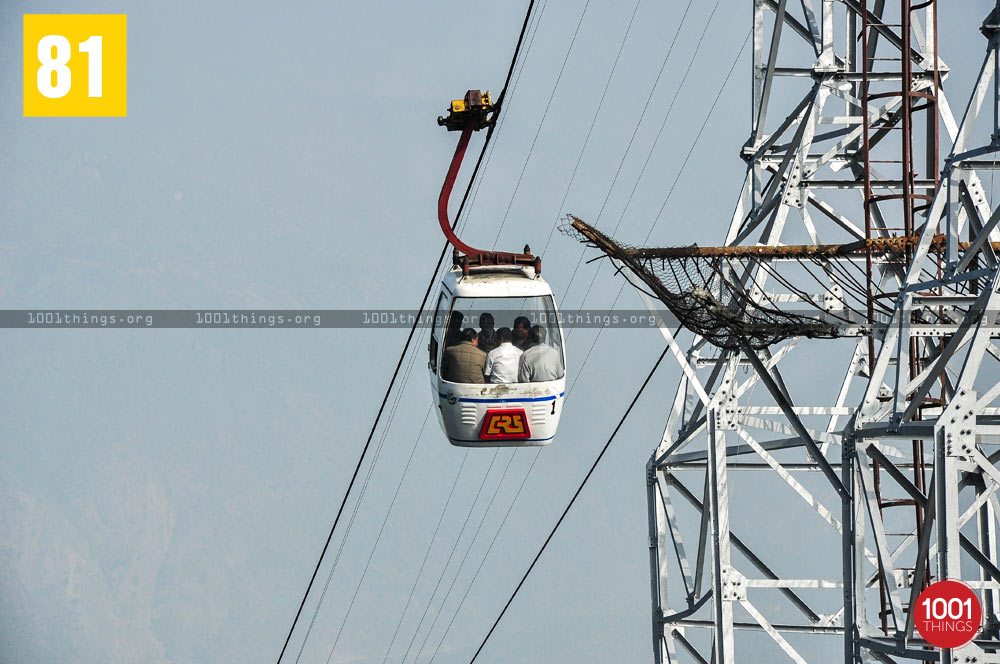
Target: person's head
519 335
469 334
486 321
537 334
504 335
456 320
522 322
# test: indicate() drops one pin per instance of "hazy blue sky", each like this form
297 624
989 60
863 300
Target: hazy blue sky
164 494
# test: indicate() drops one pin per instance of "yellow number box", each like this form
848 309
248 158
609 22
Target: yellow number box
75 65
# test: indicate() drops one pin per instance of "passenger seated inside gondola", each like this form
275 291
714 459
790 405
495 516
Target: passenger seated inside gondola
464 362
502 362
453 335
540 362
520 332
489 358
487 334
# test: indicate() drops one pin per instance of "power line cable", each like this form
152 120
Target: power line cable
670 108
593 121
642 115
576 494
465 556
426 556
451 555
511 88
652 226
406 345
517 494
533 28
701 130
378 538
601 103
542 122
354 512
482 562
371 435
659 132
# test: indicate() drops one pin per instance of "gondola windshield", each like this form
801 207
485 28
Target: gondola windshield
530 321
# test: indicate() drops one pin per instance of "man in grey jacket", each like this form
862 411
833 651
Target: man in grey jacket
540 362
464 362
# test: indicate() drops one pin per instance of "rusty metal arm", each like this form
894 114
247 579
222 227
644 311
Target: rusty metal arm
857 248
476 111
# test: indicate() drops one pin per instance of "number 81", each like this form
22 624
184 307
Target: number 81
55 79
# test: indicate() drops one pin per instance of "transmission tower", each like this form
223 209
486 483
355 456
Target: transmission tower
855 244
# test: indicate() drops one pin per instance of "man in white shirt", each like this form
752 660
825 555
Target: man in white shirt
502 362
539 362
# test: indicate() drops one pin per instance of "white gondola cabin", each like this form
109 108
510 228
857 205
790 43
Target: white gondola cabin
488 414
517 402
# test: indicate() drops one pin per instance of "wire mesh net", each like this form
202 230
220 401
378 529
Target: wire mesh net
716 296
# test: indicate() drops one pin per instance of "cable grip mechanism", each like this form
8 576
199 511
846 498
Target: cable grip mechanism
476 111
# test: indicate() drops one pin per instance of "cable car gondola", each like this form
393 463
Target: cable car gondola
507 289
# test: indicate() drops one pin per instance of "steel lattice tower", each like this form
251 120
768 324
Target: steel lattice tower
900 469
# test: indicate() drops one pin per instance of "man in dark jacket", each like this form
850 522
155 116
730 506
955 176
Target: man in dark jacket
488 334
464 362
520 332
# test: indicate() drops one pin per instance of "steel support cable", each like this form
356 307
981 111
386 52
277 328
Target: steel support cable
858 289
768 268
513 61
378 416
642 115
593 123
406 346
427 553
743 299
354 512
541 123
465 556
576 495
451 555
482 562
